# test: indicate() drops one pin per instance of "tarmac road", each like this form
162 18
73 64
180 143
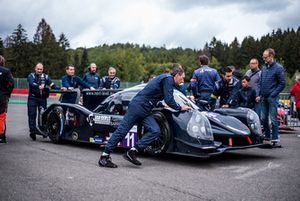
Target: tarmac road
42 170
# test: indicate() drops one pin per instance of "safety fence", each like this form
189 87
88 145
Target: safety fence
23 84
20 93
287 113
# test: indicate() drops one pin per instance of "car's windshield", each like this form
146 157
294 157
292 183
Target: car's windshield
181 99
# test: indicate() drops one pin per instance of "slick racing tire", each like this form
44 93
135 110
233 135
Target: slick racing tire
160 144
55 123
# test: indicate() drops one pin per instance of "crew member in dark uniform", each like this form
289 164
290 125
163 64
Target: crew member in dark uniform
37 97
111 81
227 88
71 82
203 82
6 87
92 77
140 109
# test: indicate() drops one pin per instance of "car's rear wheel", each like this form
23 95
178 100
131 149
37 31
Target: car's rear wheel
160 144
55 123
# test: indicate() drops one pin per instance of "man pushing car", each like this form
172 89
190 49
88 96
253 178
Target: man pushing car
140 110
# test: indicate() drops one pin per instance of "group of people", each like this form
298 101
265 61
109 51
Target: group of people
258 89
39 82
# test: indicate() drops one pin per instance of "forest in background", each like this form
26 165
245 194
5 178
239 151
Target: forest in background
136 62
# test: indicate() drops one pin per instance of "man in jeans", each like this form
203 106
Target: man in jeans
272 82
140 109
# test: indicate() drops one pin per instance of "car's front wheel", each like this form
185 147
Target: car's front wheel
55 123
160 144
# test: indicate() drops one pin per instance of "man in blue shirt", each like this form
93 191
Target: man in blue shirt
203 81
71 82
111 81
140 109
92 77
37 97
272 82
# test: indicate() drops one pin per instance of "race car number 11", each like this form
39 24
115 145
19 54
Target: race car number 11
130 137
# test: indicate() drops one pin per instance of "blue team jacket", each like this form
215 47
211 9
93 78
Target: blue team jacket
35 80
158 89
93 79
203 80
272 80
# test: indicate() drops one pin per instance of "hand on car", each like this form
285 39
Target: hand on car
185 108
42 86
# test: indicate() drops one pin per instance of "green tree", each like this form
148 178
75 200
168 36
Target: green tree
234 54
84 62
63 41
1 47
18 52
44 33
76 60
248 51
48 50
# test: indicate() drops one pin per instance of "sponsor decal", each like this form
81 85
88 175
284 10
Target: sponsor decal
96 139
102 119
99 93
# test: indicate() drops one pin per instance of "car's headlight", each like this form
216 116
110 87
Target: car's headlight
199 126
253 122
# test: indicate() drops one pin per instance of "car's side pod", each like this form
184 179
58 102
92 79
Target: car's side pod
55 124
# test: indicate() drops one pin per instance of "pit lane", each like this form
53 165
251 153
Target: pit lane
42 170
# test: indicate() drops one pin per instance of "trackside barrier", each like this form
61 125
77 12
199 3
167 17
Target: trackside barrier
288 105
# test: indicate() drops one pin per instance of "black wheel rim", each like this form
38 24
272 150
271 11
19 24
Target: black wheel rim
53 126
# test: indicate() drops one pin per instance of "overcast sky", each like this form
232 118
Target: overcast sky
173 23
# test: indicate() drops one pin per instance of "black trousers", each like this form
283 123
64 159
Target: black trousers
34 104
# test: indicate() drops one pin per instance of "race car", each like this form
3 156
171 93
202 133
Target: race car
185 133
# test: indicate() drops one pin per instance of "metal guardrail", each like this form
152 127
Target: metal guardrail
22 83
288 105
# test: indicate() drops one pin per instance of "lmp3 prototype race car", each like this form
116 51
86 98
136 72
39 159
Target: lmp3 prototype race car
194 132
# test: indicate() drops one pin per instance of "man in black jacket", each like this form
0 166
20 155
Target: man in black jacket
6 87
227 88
37 97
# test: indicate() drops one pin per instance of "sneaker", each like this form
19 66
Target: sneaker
105 161
130 155
267 138
2 140
276 144
32 136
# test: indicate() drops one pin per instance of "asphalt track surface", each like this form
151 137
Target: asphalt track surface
42 170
